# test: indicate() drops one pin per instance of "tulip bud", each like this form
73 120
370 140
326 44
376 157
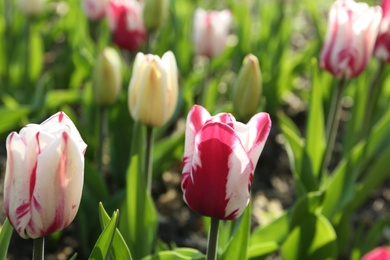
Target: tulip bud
379 253
155 13
350 38
210 31
31 7
153 88
107 77
247 90
44 176
220 157
95 9
126 24
382 45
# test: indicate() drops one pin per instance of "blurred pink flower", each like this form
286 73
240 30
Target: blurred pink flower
382 45
44 176
220 156
95 9
350 38
379 253
211 30
126 24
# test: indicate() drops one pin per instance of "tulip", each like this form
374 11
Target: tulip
155 13
95 9
31 7
247 89
210 31
379 253
220 157
153 89
126 24
382 45
44 176
107 77
350 38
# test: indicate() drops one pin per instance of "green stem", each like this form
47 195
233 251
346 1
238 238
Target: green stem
148 158
213 240
102 125
26 82
334 117
39 247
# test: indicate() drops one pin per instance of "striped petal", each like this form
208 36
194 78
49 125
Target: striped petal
219 181
195 120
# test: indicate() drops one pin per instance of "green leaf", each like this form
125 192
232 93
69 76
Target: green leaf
177 254
103 244
74 257
313 238
119 249
95 182
139 225
238 245
10 118
267 239
5 236
306 206
315 137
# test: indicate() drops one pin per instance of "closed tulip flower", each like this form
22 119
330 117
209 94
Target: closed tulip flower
44 176
155 13
95 9
247 89
126 24
379 253
382 45
350 38
211 30
107 77
219 160
153 88
31 7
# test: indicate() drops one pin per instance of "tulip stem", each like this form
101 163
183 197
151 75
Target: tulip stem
102 125
213 240
39 247
334 116
148 158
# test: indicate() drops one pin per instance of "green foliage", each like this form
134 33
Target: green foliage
5 236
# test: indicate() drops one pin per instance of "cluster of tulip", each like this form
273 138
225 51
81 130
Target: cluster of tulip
45 163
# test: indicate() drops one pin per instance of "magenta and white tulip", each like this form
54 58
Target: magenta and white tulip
153 88
219 160
126 24
350 38
211 29
379 253
382 45
95 9
44 176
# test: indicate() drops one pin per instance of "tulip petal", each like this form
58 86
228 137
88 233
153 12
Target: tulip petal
196 118
219 182
169 63
59 176
16 183
259 127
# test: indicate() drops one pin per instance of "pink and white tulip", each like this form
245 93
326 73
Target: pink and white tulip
126 24
44 176
382 45
350 38
95 9
219 160
211 30
379 253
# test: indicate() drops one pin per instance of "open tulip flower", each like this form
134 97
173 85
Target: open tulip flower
44 176
126 24
350 38
219 160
